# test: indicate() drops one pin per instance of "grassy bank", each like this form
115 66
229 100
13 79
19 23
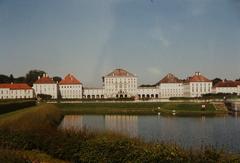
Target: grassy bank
34 118
190 109
15 156
181 108
35 129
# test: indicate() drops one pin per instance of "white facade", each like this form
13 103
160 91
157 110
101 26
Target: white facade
93 93
170 86
120 84
230 90
47 89
227 87
16 94
70 88
14 91
46 85
168 90
196 86
238 89
186 90
148 92
197 89
70 91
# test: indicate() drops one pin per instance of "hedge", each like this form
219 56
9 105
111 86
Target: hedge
10 106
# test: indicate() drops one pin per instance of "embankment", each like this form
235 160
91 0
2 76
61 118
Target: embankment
35 129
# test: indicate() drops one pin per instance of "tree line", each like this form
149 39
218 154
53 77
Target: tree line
29 78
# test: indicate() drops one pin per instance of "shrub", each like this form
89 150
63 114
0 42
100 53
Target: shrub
44 97
10 106
7 156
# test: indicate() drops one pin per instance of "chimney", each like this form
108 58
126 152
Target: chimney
11 82
197 73
39 77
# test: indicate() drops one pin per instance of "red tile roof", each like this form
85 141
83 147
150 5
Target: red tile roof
198 78
15 86
45 80
120 73
228 83
69 79
170 78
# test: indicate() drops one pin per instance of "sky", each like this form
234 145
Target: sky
149 38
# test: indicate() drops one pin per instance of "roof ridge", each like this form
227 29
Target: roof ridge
70 79
15 86
119 72
45 80
169 78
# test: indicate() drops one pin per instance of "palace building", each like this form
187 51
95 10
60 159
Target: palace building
93 93
227 86
16 91
123 84
45 85
170 86
148 92
120 84
70 88
197 85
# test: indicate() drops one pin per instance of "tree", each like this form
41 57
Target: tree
4 79
57 79
11 79
216 80
32 76
20 79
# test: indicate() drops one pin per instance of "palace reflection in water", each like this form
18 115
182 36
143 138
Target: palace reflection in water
126 125
194 132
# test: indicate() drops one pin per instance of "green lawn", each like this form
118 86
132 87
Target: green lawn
188 108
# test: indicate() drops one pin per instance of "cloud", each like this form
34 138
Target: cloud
154 70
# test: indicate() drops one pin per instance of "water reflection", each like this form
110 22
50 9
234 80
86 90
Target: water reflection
126 125
74 122
220 132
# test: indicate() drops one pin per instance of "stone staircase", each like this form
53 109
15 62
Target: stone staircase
220 106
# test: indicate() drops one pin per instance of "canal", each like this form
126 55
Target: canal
189 132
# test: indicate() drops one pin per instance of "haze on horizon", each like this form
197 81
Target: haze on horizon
150 38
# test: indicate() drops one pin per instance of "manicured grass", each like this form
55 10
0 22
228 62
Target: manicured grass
184 108
35 129
109 108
